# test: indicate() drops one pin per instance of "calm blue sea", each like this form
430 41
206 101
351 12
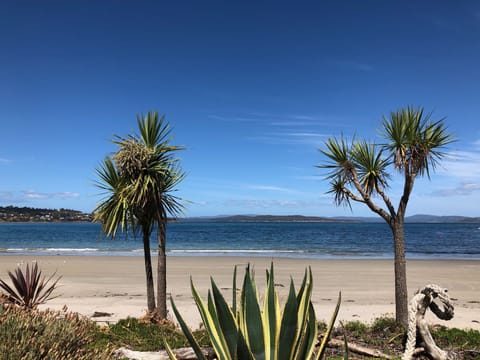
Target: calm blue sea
299 240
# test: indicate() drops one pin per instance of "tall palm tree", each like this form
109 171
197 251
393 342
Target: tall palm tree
359 171
139 180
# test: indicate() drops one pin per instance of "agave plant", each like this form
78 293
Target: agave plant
29 289
258 331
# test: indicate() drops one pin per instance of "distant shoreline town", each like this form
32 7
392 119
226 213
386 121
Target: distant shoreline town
28 214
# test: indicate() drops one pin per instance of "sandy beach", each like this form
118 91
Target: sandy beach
116 285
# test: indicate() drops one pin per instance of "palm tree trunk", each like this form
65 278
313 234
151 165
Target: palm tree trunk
162 272
148 272
401 294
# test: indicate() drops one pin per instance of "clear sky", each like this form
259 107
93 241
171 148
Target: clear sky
252 89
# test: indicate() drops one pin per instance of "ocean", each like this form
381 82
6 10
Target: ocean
271 239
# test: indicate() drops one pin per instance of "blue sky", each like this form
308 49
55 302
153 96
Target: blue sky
252 89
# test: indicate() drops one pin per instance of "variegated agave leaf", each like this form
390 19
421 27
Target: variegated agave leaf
260 332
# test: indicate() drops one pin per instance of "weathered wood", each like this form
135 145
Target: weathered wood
423 300
358 349
181 354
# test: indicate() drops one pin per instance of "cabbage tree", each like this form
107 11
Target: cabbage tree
360 171
139 180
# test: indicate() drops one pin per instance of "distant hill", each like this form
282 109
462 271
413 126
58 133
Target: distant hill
441 219
264 218
301 218
277 218
28 214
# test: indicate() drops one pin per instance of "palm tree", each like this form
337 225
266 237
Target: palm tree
139 180
360 171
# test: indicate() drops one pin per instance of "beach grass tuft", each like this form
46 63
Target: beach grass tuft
144 336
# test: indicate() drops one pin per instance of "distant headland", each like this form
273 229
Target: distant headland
346 219
28 214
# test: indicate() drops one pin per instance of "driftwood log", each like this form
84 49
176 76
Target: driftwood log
427 298
181 354
358 349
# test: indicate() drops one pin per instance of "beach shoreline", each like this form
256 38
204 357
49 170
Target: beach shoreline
116 284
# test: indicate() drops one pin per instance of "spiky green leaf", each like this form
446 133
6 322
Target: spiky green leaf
288 328
253 318
328 331
186 331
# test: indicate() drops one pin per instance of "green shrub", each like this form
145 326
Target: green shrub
355 328
53 335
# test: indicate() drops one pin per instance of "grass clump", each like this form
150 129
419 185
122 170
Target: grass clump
385 335
461 339
139 335
53 335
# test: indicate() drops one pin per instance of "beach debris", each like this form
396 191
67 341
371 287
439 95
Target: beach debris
101 314
427 298
181 354
358 349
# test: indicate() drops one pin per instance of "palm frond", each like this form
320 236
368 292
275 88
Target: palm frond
339 159
371 166
113 212
338 189
414 140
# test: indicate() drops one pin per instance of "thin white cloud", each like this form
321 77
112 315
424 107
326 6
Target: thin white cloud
233 118
5 161
355 65
461 164
304 117
290 123
290 138
305 135
463 189
271 188
462 168
32 195
259 204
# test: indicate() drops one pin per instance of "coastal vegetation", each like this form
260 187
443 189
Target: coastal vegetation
56 335
59 335
253 327
360 171
139 181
